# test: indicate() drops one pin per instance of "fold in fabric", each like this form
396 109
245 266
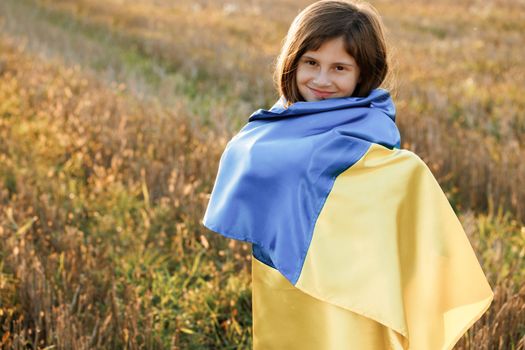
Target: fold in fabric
355 244
275 174
284 317
395 252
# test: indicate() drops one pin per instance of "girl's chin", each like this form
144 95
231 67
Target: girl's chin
315 98
318 98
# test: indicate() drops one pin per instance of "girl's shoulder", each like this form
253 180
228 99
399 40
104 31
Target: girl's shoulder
407 161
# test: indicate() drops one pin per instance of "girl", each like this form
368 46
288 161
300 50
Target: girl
355 245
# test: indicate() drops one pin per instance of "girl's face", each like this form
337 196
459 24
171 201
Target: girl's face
328 72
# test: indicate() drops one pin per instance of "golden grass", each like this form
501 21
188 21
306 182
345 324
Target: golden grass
101 193
456 74
96 251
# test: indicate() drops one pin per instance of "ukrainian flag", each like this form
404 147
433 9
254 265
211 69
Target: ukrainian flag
355 245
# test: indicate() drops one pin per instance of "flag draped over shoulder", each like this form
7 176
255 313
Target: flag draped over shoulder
355 245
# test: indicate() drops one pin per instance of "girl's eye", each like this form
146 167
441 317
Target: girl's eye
340 68
310 63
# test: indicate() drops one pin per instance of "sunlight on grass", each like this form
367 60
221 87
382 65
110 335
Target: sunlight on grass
109 150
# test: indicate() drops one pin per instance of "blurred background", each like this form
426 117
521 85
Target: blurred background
113 116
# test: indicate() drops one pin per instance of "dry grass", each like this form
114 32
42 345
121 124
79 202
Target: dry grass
456 72
101 193
97 251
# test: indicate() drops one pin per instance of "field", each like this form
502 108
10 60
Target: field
113 116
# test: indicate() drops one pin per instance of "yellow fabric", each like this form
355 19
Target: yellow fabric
286 318
389 267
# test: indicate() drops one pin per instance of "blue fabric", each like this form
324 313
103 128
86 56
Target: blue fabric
276 173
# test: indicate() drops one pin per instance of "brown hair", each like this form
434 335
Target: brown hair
359 24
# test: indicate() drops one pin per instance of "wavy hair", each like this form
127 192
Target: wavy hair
360 26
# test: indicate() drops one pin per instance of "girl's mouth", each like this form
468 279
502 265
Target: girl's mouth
321 94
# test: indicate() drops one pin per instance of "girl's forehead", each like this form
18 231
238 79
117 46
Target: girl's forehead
334 44
334 48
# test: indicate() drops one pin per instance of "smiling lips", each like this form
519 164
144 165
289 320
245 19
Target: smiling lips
321 94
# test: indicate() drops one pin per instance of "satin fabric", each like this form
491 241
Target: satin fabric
393 253
276 173
284 317
355 244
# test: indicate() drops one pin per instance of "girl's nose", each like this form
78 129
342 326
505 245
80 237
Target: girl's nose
321 78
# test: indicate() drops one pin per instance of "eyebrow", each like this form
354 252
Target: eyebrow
335 64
